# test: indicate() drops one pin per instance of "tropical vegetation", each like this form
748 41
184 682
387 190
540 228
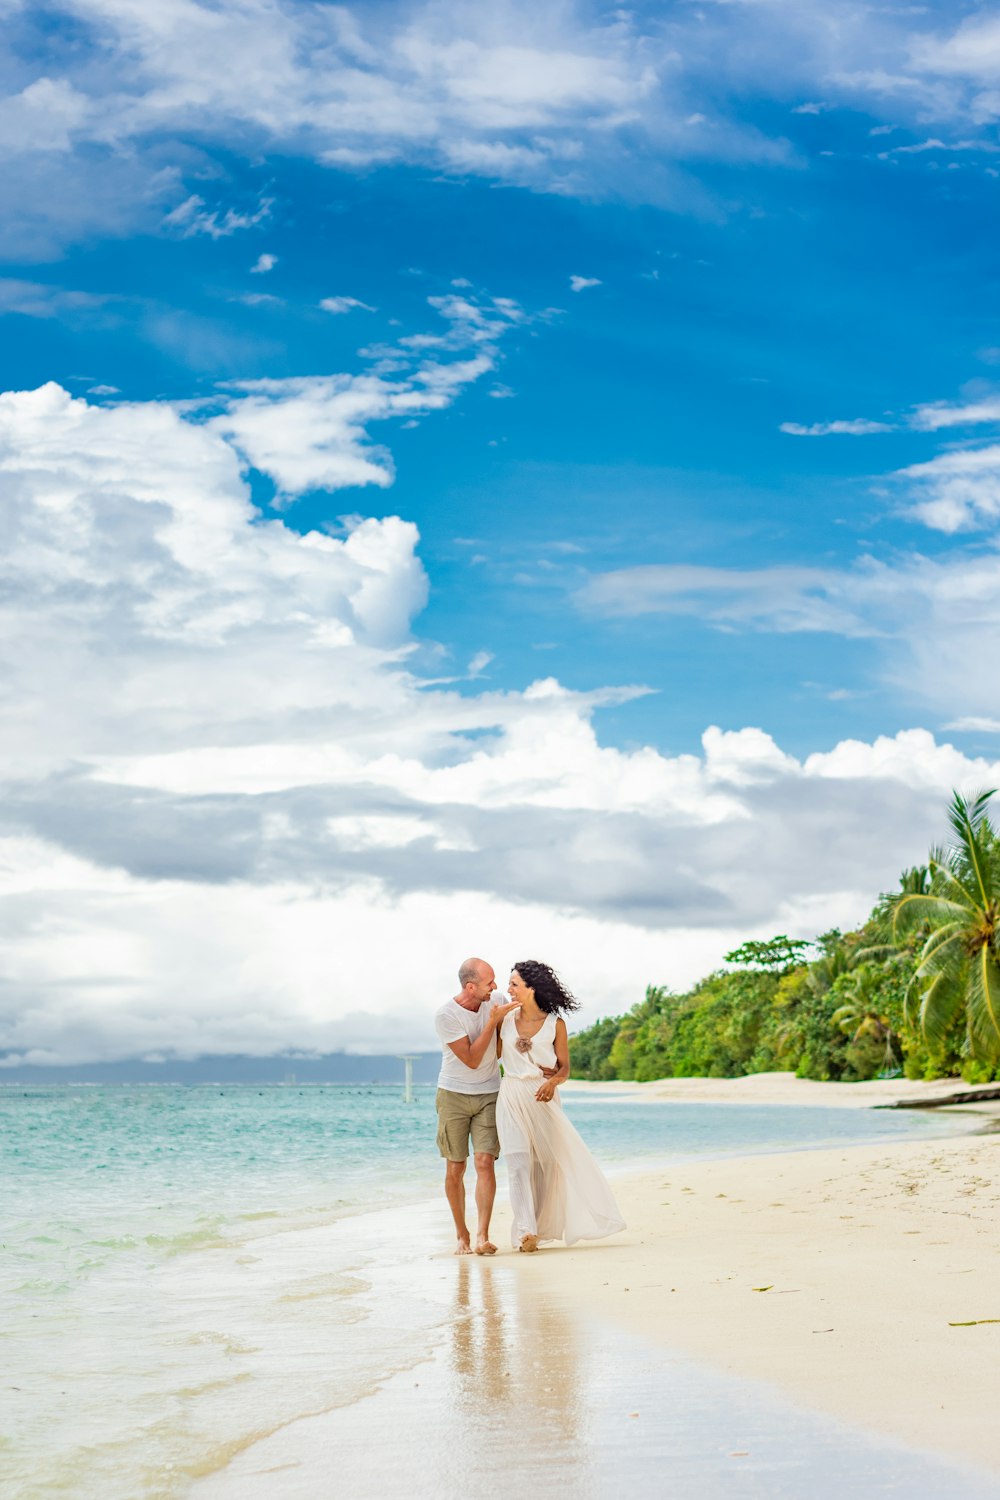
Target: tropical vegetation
914 990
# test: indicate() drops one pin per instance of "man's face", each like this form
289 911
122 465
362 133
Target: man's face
482 988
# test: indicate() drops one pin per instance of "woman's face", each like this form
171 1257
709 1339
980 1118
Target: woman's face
518 990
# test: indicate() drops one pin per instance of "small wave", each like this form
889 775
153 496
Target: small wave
209 1237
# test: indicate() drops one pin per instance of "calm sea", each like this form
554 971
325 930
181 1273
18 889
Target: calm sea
186 1268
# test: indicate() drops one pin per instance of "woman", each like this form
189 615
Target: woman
557 1190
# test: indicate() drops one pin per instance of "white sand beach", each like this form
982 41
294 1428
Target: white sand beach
857 1279
785 1088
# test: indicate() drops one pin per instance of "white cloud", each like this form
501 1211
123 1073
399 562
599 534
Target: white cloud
989 148
976 724
561 99
926 618
581 283
265 262
312 432
191 218
956 490
935 415
44 117
425 81
855 427
778 598
344 305
35 299
478 663
971 52
226 797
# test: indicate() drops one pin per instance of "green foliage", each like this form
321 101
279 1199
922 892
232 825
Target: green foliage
777 954
957 978
917 987
590 1054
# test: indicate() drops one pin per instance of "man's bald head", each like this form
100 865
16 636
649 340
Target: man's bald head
478 981
471 970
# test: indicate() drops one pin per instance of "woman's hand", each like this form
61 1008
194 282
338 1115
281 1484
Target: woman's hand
546 1091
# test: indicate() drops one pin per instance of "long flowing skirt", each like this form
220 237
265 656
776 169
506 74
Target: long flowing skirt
557 1190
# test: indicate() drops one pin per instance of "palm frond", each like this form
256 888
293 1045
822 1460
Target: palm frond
912 998
844 1017
933 957
952 882
880 953
984 1004
967 816
941 1005
911 910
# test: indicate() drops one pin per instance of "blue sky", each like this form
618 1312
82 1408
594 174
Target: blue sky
673 333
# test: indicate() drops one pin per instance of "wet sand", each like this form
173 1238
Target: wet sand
769 1326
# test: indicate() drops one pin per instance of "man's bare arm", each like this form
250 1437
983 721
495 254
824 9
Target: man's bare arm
472 1053
559 1074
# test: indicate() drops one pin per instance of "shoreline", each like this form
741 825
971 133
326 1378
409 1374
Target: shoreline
240 1338
786 1088
801 1304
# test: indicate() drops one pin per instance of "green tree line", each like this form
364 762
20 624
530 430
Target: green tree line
914 990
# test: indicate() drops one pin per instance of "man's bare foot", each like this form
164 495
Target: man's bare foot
529 1243
463 1248
485 1246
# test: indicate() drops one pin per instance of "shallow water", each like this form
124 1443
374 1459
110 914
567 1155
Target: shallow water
184 1269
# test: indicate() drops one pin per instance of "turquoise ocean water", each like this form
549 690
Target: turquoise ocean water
186 1268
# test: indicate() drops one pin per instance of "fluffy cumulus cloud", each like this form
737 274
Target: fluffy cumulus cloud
235 817
312 432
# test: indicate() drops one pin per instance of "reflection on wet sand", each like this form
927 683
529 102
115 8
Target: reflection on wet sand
525 1393
516 1366
480 1346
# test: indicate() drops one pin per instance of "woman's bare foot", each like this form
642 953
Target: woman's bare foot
485 1246
529 1243
463 1247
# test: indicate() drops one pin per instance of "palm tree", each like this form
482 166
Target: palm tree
860 1015
822 974
959 964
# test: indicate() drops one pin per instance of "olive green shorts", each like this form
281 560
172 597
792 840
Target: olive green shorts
463 1115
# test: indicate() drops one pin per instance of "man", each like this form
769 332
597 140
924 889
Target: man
468 1085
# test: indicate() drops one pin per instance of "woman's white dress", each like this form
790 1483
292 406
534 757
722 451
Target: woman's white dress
557 1190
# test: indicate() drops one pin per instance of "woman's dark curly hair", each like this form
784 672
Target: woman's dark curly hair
550 993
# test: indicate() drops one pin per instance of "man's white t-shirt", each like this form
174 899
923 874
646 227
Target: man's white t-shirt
451 1023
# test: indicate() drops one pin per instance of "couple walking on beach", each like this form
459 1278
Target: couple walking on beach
557 1190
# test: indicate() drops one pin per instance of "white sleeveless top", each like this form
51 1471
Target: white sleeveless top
540 1053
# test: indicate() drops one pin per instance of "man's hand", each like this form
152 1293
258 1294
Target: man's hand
546 1090
498 1012
550 1072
